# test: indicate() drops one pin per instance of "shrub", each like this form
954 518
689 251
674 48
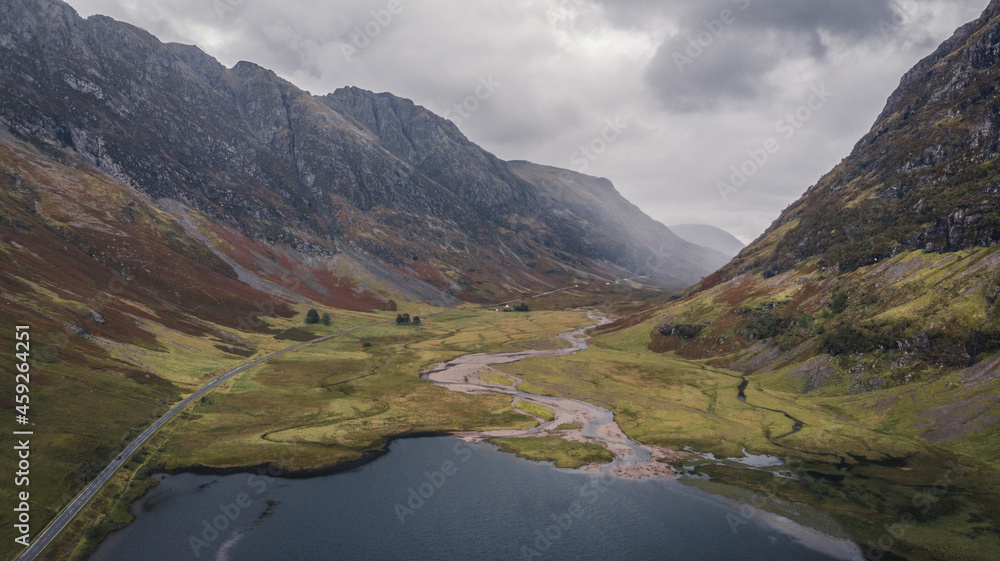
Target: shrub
686 331
312 317
838 303
765 324
847 340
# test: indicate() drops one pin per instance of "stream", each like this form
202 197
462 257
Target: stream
631 459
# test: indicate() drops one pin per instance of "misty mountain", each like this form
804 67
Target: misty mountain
710 237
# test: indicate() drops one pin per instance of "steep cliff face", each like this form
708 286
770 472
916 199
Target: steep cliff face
885 275
349 171
436 148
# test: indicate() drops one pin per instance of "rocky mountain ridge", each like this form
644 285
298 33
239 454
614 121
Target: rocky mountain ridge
351 170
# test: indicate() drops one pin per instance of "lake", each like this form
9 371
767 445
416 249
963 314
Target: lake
441 498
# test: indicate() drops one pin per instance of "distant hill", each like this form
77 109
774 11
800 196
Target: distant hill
602 220
710 237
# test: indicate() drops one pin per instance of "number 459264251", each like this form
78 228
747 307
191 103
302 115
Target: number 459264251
22 349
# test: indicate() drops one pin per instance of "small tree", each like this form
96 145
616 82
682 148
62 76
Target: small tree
403 319
416 320
326 319
312 316
522 307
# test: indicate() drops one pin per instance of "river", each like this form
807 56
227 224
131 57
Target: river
448 498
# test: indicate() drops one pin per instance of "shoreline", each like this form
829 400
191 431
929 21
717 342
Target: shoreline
808 537
811 538
269 469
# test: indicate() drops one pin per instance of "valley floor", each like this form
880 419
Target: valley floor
336 402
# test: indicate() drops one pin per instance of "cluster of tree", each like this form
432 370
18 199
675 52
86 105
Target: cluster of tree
313 317
405 319
686 331
522 307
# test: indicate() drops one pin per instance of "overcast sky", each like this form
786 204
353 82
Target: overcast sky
682 90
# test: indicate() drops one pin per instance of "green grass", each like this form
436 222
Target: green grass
313 408
348 399
535 410
563 453
498 379
569 426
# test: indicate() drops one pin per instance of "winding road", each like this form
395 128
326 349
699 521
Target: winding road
60 522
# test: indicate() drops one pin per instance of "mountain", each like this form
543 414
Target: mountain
710 237
884 278
598 211
353 180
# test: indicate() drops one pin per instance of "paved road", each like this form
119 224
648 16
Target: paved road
66 516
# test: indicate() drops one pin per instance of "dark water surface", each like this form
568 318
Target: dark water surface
441 499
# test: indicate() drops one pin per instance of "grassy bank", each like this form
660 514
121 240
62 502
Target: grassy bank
563 453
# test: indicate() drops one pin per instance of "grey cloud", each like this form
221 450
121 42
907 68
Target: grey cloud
853 17
725 51
690 77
